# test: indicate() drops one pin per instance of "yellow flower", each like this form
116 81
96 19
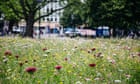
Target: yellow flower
69 71
61 82
14 78
38 82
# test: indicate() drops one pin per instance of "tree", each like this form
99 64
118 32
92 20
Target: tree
71 16
9 15
28 10
86 10
106 12
121 14
70 19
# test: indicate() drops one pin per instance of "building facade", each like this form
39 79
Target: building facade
54 19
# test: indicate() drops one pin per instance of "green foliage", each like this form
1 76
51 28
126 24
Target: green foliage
71 16
8 13
70 19
135 75
114 13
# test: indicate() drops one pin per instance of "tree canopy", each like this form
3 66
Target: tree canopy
122 14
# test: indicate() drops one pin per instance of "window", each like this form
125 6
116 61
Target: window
48 19
44 19
55 19
51 9
47 10
51 19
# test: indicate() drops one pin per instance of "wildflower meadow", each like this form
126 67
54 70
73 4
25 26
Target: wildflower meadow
69 61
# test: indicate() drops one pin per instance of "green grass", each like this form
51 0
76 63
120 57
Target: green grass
116 60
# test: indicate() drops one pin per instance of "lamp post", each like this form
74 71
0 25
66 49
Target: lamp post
39 1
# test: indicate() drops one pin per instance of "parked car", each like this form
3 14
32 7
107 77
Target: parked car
87 32
17 30
72 32
103 31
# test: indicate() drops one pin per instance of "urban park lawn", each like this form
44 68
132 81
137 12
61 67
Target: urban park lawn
69 61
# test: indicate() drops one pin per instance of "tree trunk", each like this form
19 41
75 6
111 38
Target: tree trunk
29 28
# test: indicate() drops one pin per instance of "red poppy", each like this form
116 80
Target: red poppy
66 59
31 70
93 49
58 67
8 52
92 65
44 49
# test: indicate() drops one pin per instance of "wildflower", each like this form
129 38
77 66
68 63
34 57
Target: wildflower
78 82
66 59
14 78
120 70
99 54
75 47
38 82
17 56
34 60
92 65
117 81
87 79
89 51
8 52
127 48
61 82
128 76
99 74
26 61
97 79
5 60
58 67
44 49
31 70
69 71
4 57
112 61
64 49
114 54
93 49
20 64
